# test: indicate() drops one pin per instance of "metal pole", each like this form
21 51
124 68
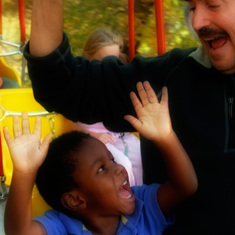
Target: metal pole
160 26
22 38
22 21
131 29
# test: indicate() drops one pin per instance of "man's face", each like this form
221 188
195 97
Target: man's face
213 21
103 182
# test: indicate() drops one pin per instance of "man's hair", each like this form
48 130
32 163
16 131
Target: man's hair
54 177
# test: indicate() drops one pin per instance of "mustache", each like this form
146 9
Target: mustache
208 32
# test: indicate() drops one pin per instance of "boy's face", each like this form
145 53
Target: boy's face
104 183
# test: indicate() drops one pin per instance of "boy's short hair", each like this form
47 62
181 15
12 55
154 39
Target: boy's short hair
54 177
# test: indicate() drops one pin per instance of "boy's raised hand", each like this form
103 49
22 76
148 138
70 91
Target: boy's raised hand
153 119
26 149
153 122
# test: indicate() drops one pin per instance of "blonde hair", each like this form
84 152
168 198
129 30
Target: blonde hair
101 37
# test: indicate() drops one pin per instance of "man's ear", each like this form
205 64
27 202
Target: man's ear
73 200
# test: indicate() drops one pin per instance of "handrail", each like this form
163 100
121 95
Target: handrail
9 113
18 51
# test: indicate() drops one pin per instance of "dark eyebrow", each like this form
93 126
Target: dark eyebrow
97 160
101 158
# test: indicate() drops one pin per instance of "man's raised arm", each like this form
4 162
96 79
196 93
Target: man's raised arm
46 27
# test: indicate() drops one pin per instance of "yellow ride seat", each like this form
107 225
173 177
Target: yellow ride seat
9 72
23 100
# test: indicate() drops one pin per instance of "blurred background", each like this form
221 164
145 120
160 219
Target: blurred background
81 17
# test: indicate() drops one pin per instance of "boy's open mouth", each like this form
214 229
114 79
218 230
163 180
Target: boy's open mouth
125 191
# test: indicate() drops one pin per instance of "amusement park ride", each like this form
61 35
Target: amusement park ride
14 101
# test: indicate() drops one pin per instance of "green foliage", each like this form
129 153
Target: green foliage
177 33
81 17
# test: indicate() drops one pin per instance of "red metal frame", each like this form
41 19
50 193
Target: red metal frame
131 29
160 26
21 18
22 21
160 29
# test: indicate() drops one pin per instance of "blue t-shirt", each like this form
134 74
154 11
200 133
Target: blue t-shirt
147 218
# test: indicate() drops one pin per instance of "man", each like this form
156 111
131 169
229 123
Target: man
201 89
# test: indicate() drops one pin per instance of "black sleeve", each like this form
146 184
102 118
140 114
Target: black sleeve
91 91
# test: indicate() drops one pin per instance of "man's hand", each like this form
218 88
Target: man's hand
27 151
153 119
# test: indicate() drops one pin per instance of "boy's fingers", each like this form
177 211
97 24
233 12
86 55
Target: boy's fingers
25 123
133 121
135 101
37 126
16 126
46 141
164 95
7 135
152 98
142 93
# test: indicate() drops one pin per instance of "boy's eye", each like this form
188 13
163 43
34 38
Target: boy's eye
101 169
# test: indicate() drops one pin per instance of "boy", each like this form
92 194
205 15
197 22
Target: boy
97 199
